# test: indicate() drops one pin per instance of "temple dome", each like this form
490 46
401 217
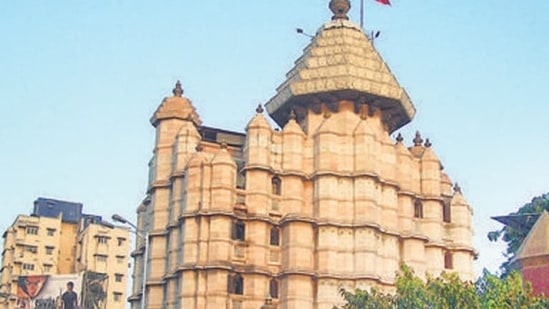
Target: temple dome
341 63
176 107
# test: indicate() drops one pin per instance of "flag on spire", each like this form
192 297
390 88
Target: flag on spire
386 2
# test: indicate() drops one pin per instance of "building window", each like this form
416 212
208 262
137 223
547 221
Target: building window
31 249
101 258
275 236
238 231
49 250
117 296
32 230
418 209
273 288
446 212
102 239
119 259
51 232
28 266
448 260
236 284
118 277
47 268
121 241
276 185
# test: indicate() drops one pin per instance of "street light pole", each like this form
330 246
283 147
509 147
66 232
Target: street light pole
145 238
145 263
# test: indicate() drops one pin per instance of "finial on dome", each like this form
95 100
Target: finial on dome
292 115
457 188
428 143
259 109
178 90
340 8
400 138
199 148
418 140
223 144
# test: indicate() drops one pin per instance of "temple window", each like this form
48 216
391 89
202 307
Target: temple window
275 237
276 185
238 230
273 288
418 209
446 212
236 284
448 260
240 175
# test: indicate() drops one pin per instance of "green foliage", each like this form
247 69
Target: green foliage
514 237
448 292
507 292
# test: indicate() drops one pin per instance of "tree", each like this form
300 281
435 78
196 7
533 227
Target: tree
448 292
515 236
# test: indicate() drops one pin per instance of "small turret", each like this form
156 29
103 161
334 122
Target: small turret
292 145
430 171
176 107
223 179
258 142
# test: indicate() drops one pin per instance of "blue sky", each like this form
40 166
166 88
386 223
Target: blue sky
80 79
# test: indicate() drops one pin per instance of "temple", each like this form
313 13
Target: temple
284 217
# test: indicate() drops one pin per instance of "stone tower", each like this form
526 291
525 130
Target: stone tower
292 215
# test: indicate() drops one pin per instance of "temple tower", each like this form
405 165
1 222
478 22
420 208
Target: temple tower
285 217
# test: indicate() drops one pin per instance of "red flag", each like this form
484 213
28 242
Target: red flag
386 2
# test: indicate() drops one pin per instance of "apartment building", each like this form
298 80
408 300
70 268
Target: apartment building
57 238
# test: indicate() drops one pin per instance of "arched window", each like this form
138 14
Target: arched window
273 288
418 209
275 237
446 212
448 260
238 230
235 284
276 185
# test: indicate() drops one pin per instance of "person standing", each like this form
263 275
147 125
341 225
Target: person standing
69 298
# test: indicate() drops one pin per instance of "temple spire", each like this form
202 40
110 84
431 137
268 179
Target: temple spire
340 8
178 90
418 140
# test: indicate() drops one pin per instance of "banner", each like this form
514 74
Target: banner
94 295
44 291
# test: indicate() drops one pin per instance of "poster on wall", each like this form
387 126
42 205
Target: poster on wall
45 291
94 294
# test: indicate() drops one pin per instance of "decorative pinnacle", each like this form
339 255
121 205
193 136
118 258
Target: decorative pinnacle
340 8
428 143
223 144
457 188
259 109
418 140
400 138
178 90
199 148
292 115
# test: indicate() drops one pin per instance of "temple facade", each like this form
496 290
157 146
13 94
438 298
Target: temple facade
283 216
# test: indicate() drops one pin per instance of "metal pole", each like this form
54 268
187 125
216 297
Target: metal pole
145 261
361 14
